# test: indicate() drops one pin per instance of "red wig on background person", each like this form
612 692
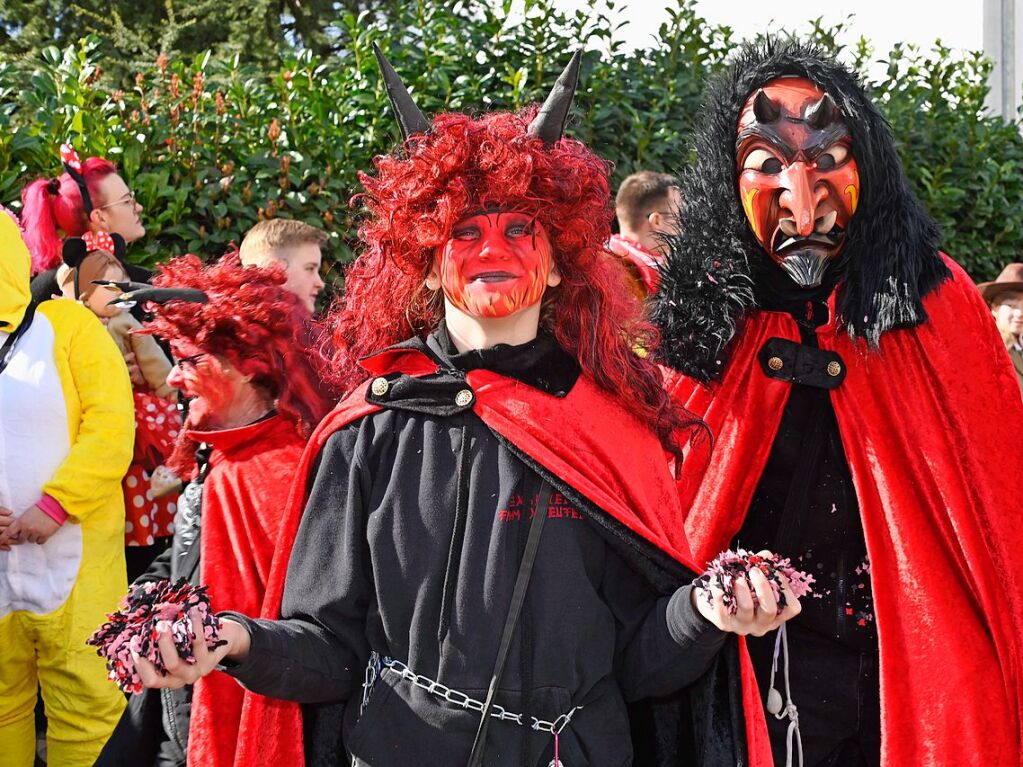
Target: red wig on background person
464 165
251 322
51 206
255 395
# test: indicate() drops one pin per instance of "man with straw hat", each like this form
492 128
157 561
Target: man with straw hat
1005 297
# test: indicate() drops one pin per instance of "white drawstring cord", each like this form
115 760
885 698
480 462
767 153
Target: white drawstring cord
774 701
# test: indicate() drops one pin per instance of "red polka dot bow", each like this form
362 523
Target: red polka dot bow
70 158
98 241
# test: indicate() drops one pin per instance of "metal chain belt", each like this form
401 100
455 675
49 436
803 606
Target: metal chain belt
456 697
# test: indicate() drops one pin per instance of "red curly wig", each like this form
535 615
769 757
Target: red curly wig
258 326
463 165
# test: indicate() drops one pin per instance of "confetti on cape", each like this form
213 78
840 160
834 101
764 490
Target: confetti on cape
729 565
134 628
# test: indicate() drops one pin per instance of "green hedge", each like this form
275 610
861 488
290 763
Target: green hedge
211 146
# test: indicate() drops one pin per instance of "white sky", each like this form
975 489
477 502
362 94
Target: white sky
883 22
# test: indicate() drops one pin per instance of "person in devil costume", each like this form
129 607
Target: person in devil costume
255 395
845 367
490 562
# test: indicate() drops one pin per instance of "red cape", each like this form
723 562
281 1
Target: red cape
251 468
931 427
615 462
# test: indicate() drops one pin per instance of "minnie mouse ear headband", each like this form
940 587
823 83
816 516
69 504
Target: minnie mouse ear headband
138 292
90 255
77 248
73 166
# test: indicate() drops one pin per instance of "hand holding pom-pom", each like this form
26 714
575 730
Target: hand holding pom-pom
160 629
746 593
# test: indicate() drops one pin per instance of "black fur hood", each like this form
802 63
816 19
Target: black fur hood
890 260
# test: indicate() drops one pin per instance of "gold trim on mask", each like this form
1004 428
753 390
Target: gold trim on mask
747 204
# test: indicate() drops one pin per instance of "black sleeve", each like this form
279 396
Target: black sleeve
663 643
159 569
318 650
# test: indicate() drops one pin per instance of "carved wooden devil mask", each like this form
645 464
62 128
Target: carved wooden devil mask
798 181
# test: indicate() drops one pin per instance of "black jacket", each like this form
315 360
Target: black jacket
409 547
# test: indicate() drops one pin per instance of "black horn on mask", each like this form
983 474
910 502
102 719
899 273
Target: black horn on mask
765 110
822 112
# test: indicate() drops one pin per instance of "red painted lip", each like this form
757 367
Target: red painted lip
493 277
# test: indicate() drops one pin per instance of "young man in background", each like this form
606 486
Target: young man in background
646 207
294 244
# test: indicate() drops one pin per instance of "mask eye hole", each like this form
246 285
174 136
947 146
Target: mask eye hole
834 156
762 161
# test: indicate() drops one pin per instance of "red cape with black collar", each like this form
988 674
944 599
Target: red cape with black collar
247 485
614 461
931 424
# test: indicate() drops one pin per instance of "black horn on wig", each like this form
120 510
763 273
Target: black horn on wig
549 123
140 292
410 118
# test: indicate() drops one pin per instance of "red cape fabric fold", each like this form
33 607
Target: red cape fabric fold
613 460
250 474
931 424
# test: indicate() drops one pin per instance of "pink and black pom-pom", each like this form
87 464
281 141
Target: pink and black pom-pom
728 565
133 628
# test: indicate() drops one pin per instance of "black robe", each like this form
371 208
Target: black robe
409 547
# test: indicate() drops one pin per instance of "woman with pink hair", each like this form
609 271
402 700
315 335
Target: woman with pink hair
90 196
91 200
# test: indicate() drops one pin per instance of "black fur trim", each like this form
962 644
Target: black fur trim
890 260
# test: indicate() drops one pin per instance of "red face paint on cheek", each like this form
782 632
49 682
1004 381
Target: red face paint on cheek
495 264
203 378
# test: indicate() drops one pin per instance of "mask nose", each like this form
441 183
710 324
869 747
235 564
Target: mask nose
799 198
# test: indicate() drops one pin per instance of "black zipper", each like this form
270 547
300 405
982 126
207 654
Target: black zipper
171 719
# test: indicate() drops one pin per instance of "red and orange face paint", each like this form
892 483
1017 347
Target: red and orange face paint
495 263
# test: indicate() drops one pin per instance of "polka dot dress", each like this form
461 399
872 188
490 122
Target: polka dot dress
156 426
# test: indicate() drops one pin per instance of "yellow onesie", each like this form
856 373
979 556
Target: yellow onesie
66 431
